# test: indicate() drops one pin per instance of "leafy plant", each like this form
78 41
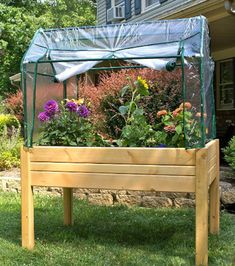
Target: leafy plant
174 125
68 125
10 148
229 153
136 132
8 121
2 106
168 129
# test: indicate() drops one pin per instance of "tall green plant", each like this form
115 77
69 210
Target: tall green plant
136 132
19 20
229 153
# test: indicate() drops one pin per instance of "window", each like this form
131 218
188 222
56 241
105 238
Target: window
147 4
225 84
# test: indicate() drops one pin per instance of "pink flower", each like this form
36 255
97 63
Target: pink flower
161 113
170 128
199 115
177 111
186 105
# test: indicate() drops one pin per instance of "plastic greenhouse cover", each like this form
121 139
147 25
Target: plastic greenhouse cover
152 44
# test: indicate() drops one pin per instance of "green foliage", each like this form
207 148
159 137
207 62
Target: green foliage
168 129
136 132
10 148
19 20
2 106
229 153
8 121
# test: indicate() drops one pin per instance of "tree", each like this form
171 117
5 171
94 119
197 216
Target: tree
19 20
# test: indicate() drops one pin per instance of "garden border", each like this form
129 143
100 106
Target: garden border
159 169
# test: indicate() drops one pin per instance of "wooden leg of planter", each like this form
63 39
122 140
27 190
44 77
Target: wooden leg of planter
201 208
27 212
68 206
215 197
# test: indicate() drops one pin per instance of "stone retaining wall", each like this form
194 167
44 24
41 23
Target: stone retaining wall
10 181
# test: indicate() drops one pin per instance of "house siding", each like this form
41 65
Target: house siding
101 12
165 9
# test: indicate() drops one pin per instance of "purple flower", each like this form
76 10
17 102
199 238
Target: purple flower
43 117
51 107
83 111
71 106
161 145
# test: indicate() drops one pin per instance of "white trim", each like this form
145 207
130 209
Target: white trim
145 8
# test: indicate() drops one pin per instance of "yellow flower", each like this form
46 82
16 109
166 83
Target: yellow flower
142 82
80 101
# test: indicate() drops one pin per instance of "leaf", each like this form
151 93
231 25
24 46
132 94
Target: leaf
124 90
143 91
138 111
179 129
123 109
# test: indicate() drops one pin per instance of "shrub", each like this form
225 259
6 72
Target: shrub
229 153
14 105
10 148
2 106
8 121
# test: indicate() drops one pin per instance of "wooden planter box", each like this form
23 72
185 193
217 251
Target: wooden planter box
159 169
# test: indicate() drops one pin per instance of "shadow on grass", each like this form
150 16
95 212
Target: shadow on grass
117 225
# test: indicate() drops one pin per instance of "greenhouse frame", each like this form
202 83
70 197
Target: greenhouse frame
56 57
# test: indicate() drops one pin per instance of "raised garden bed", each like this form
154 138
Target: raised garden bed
159 169
50 71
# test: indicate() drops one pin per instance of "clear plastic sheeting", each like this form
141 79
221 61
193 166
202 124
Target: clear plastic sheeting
56 57
121 41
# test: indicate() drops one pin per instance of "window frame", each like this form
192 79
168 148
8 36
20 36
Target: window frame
219 106
145 8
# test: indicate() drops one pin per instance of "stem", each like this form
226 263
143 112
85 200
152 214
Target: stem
132 100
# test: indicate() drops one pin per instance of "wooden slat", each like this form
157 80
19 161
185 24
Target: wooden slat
212 162
212 173
114 181
201 207
68 206
172 156
211 147
27 208
114 168
215 196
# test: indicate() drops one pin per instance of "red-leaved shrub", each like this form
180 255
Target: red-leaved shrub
14 105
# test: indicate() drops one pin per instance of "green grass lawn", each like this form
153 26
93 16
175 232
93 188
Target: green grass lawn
108 235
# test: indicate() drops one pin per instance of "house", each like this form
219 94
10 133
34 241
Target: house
221 18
